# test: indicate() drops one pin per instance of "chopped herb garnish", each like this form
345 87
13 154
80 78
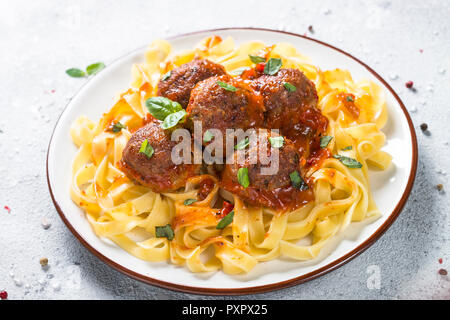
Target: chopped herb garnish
242 144
347 148
225 220
349 99
238 71
94 68
161 107
188 202
75 73
226 86
324 141
166 76
290 87
173 119
276 142
297 181
243 177
146 149
207 136
165 232
117 127
272 66
256 59
348 162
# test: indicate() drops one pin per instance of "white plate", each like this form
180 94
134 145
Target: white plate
390 188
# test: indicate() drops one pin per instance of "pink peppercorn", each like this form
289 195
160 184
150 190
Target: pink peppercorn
409 84
3 295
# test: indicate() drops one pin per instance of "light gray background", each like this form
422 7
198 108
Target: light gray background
39 40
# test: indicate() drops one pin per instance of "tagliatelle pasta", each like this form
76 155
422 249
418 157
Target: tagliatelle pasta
128 214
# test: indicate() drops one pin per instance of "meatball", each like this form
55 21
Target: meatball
178 86
275 189
157 172
290 100
220 107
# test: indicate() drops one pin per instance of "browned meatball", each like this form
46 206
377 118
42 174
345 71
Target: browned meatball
275 190
290 100
178 86
220 108
157 172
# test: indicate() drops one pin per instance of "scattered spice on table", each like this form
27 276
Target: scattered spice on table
45 223
7 209
439 187
440 260
311 29
43 262
443 272
409 84
424 127
421 50
3 295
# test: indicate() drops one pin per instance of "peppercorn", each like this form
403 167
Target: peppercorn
409 84
310 28
424 127
440 187
43 262
442 272
3 295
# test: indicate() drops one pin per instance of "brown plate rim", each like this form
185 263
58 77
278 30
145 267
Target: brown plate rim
278 285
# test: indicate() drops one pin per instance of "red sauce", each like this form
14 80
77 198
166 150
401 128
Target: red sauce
226 209
205 187
348 100
283 199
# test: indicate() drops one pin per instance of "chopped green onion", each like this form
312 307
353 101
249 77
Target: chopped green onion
225 220
290 87
297 181
276 142
243 177
324 141
226 86
242 144
165 232
146 149
188 202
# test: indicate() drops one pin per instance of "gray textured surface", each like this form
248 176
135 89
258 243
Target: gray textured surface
40 39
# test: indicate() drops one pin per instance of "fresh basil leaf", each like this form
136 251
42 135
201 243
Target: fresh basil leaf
172 119
225 220
238 71
324 141
276 142
226 86
347 148
188 202
75 73
166 76
256 59
348 162
146 149
242 144
273 66
161 107
94 68
207 136
290 87
117 127
165 232
243 177
297 181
